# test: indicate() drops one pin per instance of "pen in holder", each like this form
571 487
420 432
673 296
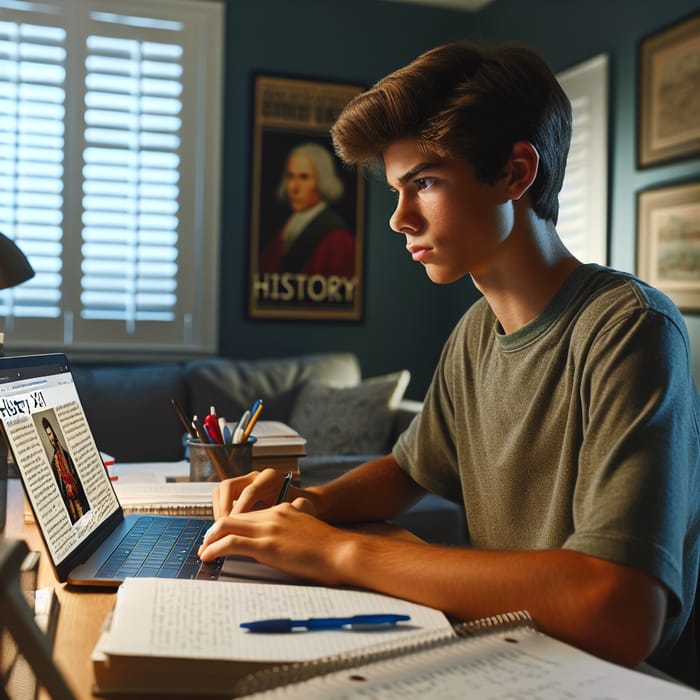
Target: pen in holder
214 462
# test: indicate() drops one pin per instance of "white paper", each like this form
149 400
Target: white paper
150 472
517 665
137 493
201 619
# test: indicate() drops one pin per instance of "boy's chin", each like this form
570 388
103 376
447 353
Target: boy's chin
440 276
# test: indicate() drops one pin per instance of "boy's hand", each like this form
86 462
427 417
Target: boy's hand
253 491
287 537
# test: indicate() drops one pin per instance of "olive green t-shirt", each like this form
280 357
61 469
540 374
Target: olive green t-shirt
579 430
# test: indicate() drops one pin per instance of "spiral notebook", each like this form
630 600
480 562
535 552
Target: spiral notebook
499 658
177 636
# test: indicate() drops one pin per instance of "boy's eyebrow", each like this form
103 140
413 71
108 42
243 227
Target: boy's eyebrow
415 170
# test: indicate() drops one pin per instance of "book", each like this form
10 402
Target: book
184 636
283 463
275 439
166 498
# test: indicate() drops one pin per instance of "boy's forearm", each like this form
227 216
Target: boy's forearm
376 490
610 610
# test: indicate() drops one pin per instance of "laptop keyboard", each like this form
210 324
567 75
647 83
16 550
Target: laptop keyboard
160 547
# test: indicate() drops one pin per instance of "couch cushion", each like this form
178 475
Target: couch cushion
232 385
129 411
351 420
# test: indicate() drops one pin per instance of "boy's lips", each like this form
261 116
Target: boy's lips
418 253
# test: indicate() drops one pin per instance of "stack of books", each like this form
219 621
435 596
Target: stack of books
278 446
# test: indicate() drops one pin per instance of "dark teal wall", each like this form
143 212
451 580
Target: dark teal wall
406 317
568 32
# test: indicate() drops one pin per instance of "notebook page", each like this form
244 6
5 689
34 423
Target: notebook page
522 664
200 619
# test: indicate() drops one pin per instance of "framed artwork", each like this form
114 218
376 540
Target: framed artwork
307 210
668 242
669 94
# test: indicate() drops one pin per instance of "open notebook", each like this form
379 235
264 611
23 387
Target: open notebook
168 637
88 538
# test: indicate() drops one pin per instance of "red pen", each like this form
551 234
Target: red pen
211 423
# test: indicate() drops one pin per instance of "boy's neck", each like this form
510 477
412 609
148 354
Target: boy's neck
533 264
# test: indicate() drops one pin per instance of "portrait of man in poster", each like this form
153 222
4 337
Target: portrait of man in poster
314 238
307 211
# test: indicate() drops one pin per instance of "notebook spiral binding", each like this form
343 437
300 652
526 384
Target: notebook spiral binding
502 622
285 674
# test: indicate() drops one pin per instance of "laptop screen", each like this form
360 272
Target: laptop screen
55 453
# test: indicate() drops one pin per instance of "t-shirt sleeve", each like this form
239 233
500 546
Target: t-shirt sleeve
426 449
638 462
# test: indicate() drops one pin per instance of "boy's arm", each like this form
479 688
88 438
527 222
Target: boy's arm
376 490
613 611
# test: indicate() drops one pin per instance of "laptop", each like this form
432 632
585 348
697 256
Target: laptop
88 538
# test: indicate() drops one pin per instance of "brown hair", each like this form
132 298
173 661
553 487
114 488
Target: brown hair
464 100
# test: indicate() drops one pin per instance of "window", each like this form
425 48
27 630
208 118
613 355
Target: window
583 201
110 119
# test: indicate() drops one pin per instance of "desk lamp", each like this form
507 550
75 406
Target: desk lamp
14 269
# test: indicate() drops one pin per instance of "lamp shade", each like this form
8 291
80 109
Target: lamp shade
14 266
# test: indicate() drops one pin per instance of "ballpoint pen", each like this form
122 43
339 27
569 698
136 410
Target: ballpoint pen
326 623
240 428
285 487
199 430
253 419
225 432
211 423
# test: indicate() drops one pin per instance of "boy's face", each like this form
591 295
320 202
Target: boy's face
453 223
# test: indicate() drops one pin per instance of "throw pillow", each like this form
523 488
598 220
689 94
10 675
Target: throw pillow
351 420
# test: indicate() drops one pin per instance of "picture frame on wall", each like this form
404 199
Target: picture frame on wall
307 210
668 242
669 94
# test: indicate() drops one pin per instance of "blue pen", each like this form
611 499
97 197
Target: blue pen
326 623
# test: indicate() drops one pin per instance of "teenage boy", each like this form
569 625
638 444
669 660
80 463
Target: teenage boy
563 413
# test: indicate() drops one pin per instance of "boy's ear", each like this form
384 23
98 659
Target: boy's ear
522 168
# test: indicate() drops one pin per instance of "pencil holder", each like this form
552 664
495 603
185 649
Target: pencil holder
211 462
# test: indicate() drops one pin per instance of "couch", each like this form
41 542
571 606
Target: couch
345 418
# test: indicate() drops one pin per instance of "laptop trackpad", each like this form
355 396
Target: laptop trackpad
236 567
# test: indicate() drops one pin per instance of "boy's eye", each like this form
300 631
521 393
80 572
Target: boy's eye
425 183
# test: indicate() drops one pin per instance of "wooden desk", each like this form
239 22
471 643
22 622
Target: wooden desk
82 611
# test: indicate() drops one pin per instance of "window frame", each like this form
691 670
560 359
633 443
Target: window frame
195 329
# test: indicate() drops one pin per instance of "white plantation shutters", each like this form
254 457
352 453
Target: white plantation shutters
118 211
583 219
32 141
133 119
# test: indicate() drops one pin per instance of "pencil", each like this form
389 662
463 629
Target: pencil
183 418
253 419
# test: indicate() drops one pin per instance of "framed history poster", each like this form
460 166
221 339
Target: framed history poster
307 211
